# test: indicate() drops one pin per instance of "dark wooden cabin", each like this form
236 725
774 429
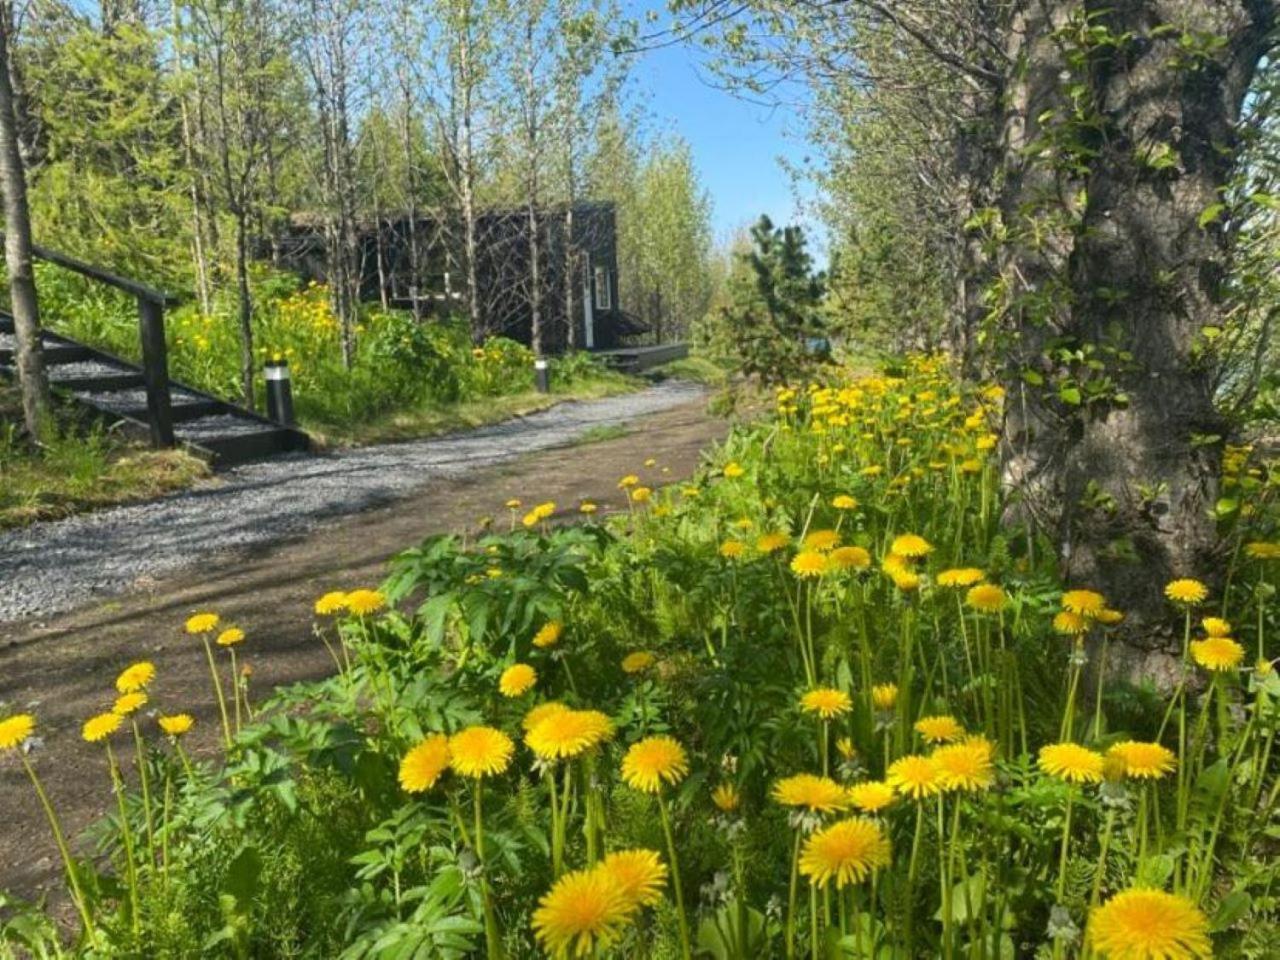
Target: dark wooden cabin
435 284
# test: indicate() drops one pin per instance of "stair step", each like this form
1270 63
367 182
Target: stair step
208 426
98 384
181 412
234 440
54 353
135 398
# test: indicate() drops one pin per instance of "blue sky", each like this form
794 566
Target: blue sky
736 144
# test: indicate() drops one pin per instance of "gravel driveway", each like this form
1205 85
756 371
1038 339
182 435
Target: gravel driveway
53 567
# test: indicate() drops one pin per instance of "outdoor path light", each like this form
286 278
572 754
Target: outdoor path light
279 391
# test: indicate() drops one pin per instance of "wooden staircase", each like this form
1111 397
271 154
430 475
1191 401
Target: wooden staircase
114 390
142 396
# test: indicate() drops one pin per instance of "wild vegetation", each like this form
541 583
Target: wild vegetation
815 702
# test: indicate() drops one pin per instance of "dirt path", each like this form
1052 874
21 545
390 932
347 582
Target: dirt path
62 670
57 567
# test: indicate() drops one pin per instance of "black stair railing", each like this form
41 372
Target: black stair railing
155 353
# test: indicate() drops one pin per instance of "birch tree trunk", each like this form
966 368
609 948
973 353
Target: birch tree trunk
32 379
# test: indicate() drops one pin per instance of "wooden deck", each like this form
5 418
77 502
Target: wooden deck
639 359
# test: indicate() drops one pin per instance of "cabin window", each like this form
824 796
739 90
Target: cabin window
604 290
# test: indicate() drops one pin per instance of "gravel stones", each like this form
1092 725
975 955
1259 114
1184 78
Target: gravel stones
57 566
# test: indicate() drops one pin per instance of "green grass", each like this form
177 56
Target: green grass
436 419
696 368
600 433
80 471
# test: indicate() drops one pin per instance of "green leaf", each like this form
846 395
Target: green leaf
1232 908
241 879
1069 395
1210 214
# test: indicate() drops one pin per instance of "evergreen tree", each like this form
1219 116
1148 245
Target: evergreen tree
773 322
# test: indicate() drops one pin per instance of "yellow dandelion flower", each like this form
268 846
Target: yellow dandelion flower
1140 924
826 702
517 680
939 729
1071 762
872 796
100 727
821 540
809 563
1216 627
849 558
1143 760
905 580
960 577
587 507
772 542
812 792
844 502
1109 618
966 765
845 747
1262 550
531 519
135 677
567 733
732 549
915 776
986 598
548 635
733 470
1069 624
335 601
638 661
653 761
726 797
1186 591
230 637
545 510
1087 603
480 751
539 713
15 730
425 764
630 480
639 874
641 495
911 546
202 623
364 602
584 912
846 852
514 504
129 703
1219 654
175 725
884 696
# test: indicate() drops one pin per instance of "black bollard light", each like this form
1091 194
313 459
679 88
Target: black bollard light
541 376
279 391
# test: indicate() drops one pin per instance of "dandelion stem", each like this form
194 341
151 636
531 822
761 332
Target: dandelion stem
686 949
235 687
60 840
126 835
217 689
144 780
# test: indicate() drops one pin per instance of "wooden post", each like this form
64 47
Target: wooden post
155 371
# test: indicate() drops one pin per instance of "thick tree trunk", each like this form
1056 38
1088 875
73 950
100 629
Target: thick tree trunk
32 379
1114 451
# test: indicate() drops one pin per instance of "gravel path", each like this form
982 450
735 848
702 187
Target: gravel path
53 567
